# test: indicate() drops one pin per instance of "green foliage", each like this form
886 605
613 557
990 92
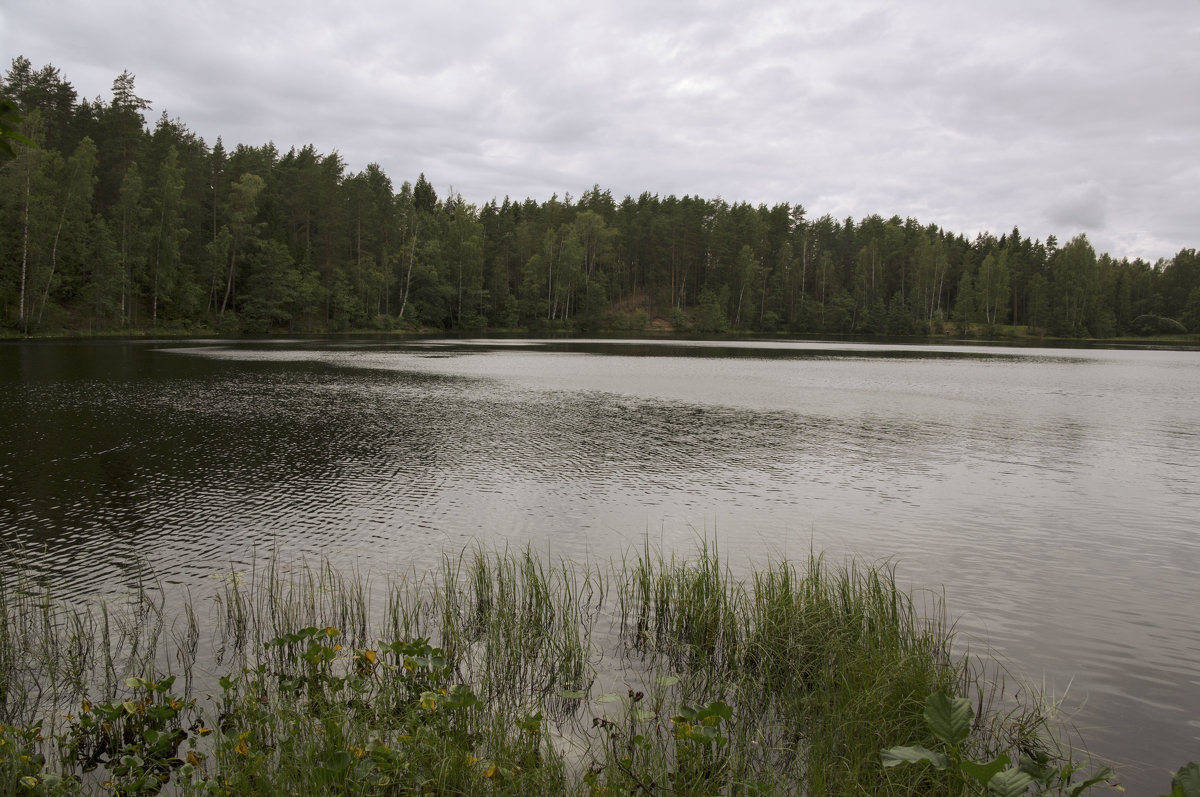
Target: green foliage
701 758
136 740
1150 324
786 682
22 765
174 231
362 723
965 310
710 314
807 652
950 719
899 320
1186 782
1191 311
680 321
10 129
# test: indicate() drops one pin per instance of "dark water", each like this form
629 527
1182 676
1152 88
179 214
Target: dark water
1055 493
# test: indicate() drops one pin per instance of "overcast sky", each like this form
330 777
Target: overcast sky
1059 117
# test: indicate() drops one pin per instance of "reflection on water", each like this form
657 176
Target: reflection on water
1053 492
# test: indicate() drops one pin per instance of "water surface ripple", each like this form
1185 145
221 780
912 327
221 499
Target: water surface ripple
1053 492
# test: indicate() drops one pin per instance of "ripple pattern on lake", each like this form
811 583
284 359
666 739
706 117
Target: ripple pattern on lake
1054 494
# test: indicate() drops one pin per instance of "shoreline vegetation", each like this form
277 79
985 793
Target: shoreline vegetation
655 329
110 220
509 673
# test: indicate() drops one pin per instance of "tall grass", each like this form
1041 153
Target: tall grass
498 672
821 666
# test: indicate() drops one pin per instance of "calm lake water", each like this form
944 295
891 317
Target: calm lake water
1055 493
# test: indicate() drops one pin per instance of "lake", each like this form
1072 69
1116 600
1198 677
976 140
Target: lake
1054 493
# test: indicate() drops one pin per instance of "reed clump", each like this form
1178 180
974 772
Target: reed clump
500 672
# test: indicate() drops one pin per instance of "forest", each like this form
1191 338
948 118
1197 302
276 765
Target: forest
111 224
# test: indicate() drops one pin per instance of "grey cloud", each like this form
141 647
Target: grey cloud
1080 207
972 116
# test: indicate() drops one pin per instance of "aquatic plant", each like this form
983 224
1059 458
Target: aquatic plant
499 672
950 719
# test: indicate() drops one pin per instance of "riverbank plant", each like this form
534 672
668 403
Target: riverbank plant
498 672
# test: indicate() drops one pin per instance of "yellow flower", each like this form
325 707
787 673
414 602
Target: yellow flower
193 759
241 748
369 655
491 772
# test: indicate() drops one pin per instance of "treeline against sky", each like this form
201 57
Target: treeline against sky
110 224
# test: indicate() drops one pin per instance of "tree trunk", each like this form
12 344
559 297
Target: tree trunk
24 259
53 257
412 254
229 282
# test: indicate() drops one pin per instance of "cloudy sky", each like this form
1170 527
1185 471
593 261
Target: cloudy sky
1059 117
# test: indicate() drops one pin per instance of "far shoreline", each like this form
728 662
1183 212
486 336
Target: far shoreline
1017 337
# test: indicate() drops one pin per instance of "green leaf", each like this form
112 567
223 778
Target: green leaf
1039 768
1099 776
1187 781
913 755
1010 783
985 772
720 709
571 694
335 766
949 717
530 723
607 697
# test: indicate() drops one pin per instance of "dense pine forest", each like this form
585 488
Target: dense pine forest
109 224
